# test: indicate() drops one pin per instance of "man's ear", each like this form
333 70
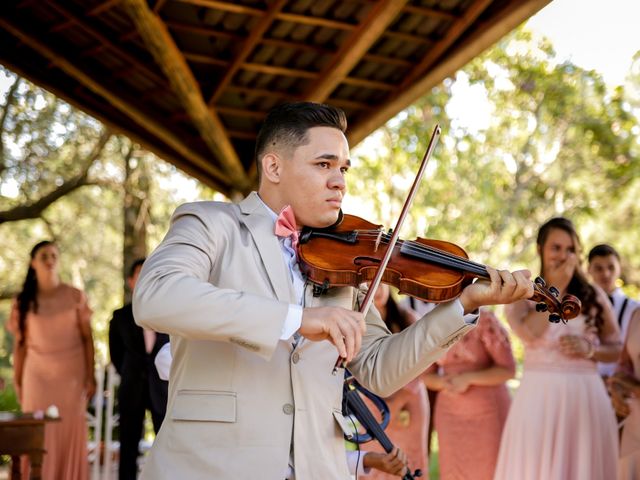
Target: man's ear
271 167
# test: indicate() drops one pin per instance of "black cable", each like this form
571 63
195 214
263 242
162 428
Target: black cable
355 429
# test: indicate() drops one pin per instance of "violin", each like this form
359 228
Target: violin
351 252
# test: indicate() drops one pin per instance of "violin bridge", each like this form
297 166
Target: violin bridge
378 240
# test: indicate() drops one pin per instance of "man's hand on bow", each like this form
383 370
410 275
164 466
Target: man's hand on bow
504 287
344 328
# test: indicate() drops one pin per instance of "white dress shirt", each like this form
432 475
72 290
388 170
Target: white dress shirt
294 315
622 318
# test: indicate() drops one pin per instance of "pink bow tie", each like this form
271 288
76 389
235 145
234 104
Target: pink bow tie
286 226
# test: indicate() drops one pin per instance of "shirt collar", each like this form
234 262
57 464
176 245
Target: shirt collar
272 214
617 293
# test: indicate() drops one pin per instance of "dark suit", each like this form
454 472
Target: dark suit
140 386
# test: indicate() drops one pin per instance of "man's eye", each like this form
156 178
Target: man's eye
323 164
344 170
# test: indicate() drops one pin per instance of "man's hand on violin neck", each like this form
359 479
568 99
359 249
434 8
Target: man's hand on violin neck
504 287
344 328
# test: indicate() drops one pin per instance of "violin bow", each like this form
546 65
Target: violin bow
375 283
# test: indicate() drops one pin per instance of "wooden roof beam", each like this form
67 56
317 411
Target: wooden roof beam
453 33
104 40
408 37
424 11
261 92
205 59
97 10
158 6
163 48
226 6
102 7
239 134
346 103
286 96
204 31
358 43
429 12
207 31
291 72
155 128
363 82
239 112
398 62
317 21
247 47
285 16
274 70
485 36
274 42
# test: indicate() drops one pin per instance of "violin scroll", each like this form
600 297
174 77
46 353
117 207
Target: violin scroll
547 299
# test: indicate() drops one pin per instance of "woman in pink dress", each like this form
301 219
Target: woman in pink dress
625 395
473 400
409 407
561 425
53 362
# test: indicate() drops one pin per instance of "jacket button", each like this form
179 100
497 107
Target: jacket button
288 408
295 358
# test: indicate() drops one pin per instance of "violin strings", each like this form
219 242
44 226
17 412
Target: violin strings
428 252
418 248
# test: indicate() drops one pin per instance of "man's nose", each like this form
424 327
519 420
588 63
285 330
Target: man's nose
337 181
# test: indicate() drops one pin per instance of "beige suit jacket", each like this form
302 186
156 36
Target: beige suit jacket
241 399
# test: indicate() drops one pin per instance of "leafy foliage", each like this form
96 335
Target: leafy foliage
556 141
45 143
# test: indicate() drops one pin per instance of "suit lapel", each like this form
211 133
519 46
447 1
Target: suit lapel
260 225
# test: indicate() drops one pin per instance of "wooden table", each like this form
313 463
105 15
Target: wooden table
22 434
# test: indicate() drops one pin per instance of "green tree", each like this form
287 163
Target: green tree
557 142
88 180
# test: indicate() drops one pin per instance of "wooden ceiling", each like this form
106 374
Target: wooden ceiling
191 80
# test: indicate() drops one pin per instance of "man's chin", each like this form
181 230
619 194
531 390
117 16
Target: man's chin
324 222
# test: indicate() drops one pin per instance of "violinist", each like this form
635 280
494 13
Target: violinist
253 348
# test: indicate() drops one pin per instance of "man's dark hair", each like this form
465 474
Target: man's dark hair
603 250
286 126
136 263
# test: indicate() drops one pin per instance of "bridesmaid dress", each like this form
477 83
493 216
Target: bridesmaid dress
54 373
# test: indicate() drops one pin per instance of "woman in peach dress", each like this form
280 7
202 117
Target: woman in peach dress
473 400
409 406
53 362
561 425
625 395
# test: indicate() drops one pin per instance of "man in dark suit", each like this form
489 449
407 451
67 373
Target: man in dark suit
132 350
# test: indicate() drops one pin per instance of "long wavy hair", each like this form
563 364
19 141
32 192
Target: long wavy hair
27 298
578 285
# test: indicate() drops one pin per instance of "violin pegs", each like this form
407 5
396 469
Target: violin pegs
554 318
541 307
540 282
554 291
